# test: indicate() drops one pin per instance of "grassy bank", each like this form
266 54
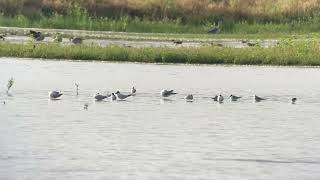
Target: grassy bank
287 53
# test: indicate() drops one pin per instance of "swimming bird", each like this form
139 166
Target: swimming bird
54 94
85 107
100 97
176 42
167 93
133 90
220 98
293 100
37 35
257 98
76 40
121 96
189 97
215 98
234 98
113 97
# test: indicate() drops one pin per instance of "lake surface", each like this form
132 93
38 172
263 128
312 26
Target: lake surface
147 137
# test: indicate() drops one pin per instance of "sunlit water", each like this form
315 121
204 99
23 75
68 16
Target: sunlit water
146 137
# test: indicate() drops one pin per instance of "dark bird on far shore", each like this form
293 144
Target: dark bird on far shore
177 42
38 36
2 36
76 40
251 44
214 30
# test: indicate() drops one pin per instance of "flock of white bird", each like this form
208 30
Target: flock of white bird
164 94
54 95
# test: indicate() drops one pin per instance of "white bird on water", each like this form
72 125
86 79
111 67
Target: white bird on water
257 98
54 94
121 96
133 90
113 97
220 98
234 98
100 97
167 93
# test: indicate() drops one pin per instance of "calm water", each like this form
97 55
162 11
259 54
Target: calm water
149 138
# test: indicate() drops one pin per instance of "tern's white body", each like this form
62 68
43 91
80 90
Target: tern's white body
234 98
121 96
220 98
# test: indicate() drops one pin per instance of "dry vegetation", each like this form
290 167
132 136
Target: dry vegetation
236 9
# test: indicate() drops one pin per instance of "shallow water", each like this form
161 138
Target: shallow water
146 137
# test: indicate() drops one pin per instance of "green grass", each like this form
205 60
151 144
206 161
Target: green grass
289 52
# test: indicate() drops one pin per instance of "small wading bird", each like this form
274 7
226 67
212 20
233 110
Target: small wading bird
10 84
234 98
215 29
121 96
257 98
100 97
220 98
2 37
293 100
133 90
177 42
167 93
54 94
76 40
189 97
38 36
